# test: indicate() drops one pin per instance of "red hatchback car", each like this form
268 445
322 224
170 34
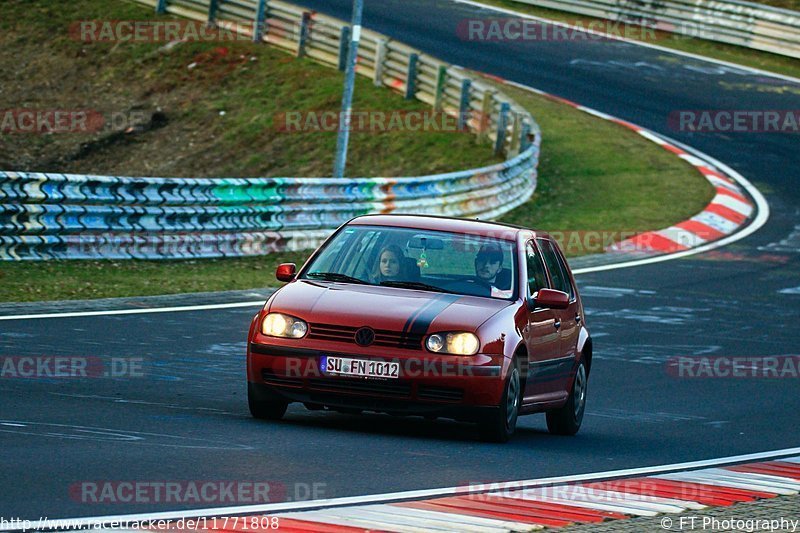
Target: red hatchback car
431 316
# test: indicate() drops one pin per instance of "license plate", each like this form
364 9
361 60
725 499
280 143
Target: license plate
344 366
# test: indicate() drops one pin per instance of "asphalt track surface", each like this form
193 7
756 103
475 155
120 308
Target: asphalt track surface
187 418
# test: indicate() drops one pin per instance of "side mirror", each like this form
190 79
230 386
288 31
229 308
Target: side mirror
552 299
286 271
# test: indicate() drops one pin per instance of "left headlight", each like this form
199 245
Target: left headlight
458 343
280 325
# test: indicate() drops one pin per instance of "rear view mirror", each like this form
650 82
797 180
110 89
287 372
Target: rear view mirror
286 271
425 243
552 299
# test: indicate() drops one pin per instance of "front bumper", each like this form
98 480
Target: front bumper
453 386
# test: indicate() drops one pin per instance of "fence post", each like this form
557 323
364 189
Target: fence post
411 77
258 28
463 108
380 60
516 120
524 140
502 123
344 43
303 37
161 6
439 94
213 5
486 113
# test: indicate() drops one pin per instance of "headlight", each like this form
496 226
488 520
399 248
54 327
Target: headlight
280 325
453 343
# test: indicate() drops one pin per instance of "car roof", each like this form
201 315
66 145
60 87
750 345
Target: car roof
485 228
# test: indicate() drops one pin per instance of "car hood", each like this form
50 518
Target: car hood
386 308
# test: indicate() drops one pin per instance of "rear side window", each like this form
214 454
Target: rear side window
537 276
557 268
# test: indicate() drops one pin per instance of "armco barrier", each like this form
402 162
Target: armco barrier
61 216
755 26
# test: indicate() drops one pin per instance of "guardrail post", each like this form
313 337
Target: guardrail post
411 76
524 139
463 108
487 103
213 5
344 44
439 94
305 23
502 124
516 119
161 6
380 60
258 22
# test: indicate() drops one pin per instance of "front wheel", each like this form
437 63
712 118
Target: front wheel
264 408
501 423
567 420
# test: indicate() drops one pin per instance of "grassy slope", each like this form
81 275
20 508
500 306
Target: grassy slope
220 113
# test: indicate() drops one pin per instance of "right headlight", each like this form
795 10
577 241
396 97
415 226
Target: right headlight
456 343
280 325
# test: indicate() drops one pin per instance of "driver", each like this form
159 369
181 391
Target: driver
488 264
390 264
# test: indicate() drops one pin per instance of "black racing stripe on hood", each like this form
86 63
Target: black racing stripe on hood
425 316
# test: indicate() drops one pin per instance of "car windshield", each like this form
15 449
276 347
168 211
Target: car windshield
416 259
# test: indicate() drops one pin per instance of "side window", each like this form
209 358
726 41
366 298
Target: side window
558 272
537 277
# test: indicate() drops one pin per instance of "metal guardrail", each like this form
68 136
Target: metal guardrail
755 26
60 216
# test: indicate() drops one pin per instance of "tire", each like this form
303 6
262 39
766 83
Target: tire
567 420
262 408
500 424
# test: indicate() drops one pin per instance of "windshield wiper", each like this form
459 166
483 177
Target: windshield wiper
335 276
414 285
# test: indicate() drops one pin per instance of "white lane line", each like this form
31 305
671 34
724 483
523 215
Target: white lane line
136 311
432 493
631 41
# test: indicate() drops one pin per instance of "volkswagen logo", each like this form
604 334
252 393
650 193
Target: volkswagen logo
365 336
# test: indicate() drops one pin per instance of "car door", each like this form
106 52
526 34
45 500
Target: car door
541 336
567 320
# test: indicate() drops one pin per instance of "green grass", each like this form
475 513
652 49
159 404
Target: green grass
724 52
594 176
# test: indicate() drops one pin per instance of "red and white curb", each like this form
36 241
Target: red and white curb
529 509
729 210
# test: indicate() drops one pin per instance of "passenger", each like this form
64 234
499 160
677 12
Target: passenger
488 263
389 267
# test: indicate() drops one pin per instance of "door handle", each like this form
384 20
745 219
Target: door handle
557 324
578 319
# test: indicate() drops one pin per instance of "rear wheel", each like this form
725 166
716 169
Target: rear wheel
263 407
567 420
501 423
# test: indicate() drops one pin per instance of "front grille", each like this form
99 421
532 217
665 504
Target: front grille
443 394
383 337
272 378
362 386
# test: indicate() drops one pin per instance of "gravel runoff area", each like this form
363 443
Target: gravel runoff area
760 515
